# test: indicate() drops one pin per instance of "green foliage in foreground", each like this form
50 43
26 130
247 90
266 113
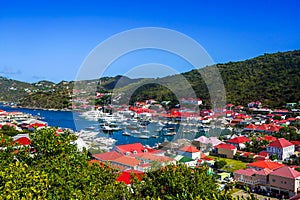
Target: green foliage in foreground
58 171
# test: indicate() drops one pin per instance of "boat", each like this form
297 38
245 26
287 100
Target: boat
106 128
126 133
135 132
90 128
155 136
170 133
143 136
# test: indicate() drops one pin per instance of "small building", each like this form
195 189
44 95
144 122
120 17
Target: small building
127 162
282 148
190 152
238 142
226 150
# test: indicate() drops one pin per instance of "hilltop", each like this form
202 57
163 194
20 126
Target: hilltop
272 79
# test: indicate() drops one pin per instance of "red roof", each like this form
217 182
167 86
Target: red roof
263 164
207 158
36 125
225 146
280 143
239 140
138 147
126 176
107 156
287 172
251 127
296 143
190 149
22 141
268 138
263 127
247 172
264 172
127 161
263 153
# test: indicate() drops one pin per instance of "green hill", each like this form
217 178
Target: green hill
272 79
12 90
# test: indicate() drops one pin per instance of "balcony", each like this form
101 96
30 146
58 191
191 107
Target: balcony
251 182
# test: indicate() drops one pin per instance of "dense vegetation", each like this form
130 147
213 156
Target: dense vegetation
56 170
272 79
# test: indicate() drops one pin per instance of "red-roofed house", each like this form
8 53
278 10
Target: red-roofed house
285 179
127 162
238 142
107 156
252 177
282 148
268 138
129 149
264 164
22 141
190 152
250 127
226 150
149 157
245 177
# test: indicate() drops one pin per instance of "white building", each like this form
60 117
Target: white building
282 148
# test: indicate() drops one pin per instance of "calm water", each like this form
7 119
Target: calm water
67 119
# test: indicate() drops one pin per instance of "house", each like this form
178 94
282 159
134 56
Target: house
150 158
254 104
238 142
190 152
282 148
226 150
185 160
245 177
252 178
23 141
130 149
285 179
206 143
264 164
126 162
107 156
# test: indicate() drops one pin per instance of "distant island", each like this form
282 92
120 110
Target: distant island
272 79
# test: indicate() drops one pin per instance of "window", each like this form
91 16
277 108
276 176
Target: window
273 180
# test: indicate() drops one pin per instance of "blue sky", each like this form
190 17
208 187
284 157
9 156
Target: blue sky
50 39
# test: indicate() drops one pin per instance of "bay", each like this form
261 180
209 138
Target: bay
72 120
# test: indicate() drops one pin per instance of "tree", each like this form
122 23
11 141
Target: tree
177 182
57 171
219 164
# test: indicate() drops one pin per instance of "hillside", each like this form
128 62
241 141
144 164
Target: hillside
12 90
272 79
